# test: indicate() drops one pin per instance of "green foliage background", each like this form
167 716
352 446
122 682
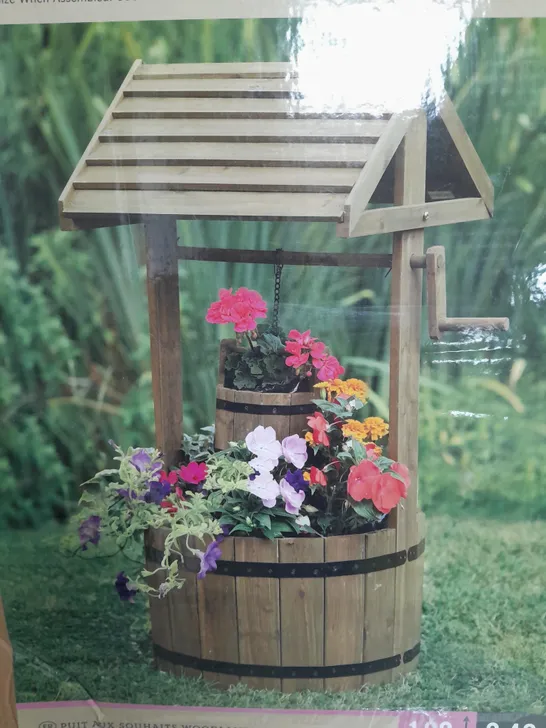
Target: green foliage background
74 357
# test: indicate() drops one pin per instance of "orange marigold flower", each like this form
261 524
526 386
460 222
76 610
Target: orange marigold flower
309 438
348 388
307 476
375 427
354 429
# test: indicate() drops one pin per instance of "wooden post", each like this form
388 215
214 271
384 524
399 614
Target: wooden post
8 708
164 314
406 305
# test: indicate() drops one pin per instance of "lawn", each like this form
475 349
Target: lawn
483 640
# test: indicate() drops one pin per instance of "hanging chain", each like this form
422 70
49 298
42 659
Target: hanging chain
278 273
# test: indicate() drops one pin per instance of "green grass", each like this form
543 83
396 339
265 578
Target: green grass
484 628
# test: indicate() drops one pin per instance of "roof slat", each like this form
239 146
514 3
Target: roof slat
219 130
252 179
214 108
204 87
210 205
227 154
215 70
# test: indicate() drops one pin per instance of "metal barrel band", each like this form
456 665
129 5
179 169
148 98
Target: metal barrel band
265 409
308 571
302 672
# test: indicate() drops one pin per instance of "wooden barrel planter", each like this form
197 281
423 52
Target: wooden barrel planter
238 412
294 613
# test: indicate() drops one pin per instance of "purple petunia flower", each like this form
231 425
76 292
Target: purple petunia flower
209 559
141 460
158 491
296 480
89 531
125 594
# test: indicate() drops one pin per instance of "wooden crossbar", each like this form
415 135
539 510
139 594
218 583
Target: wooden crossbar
286 257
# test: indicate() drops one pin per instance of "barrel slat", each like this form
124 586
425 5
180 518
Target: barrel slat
159 608
298 423
302 613
280 423
258 612
224 419
184 620
413 596
379 605
217 602
344 604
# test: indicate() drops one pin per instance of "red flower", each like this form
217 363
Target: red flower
370 451
362 478
168 506
317 476
387 491
319 425
179 492
193 473
330 369
171 478
403 472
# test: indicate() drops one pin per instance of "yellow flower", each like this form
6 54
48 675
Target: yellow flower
349 388
375 427
354 429
307 477
309 438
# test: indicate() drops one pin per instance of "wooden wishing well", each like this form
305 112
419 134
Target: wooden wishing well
238 141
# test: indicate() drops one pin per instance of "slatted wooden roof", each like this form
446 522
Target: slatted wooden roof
240 141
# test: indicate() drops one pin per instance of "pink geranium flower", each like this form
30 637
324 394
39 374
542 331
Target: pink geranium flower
221 311
193 473
241 308
302 340
318 354
330 369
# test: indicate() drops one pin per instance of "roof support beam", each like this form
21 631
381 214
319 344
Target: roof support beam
286 257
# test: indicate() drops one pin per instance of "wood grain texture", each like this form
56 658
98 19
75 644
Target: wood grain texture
207 87
184 621
250 108
303 206
215 70
286 257
468 153
234 179
165 346
224 422
415 217
258 612
160 614
406 307
227 154
302 613
66 224
379 606
344 611
241 130
370 176
413 607
217 600
436 289
8 705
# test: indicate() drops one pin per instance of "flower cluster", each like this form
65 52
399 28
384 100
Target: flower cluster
241 308
334 480
307 352
272 362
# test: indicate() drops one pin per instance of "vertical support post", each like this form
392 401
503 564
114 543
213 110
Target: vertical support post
8 708
166 350
406 304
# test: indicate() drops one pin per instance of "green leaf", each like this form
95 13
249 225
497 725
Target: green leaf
359 451
241 527
364 509
264 519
